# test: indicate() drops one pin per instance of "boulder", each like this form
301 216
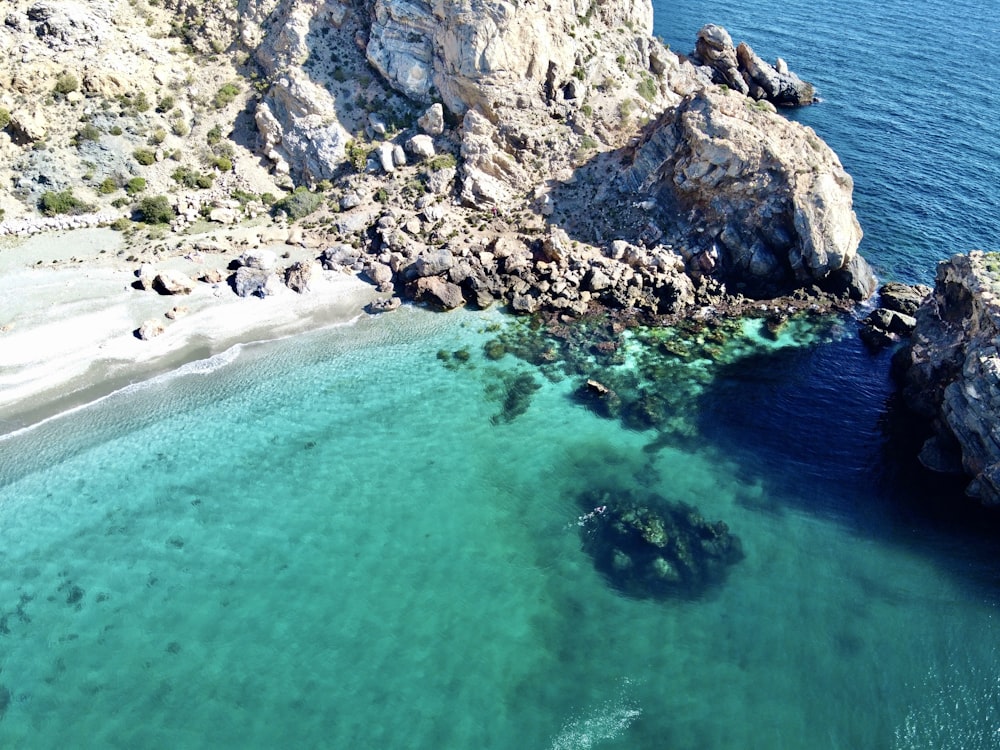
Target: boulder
177 312
383 304
249 281
431 122
438 292
298 275
261 259
173 282
149 329
421 146
432 263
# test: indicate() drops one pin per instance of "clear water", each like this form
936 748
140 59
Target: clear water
333 540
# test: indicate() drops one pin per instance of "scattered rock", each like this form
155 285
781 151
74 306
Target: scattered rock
383 304
438 292
177 312
149 329
172 282
432 121
249 281
297 277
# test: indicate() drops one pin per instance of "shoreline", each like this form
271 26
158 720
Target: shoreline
68 314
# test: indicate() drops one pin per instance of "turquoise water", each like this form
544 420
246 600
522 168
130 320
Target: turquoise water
343 540
333 541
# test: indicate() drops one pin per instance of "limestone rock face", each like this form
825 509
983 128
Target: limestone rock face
952 370
772 199
471 51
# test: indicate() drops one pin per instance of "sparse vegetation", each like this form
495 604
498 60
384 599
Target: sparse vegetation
65 84
226 95
108 186
191 178
4 118
88 132
156 209
135 185
144 156
214 135
442 161
357 154
647 88
63 202
299 204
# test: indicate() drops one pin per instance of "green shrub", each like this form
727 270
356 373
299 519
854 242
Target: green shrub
116 130
180 127
88 133
156 209
299 203
140 103
120 225
223 163
165 104
214 135
225 95
65 84
157 137
64 202
135 185
144 156
107 186
442 161
190 178
357 154
4 118
647 88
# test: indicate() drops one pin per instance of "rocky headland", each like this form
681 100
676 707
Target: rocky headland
950 372
537 156
550 158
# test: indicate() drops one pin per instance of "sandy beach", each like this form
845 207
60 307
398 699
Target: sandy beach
69 312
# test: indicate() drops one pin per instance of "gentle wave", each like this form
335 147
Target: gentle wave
607 721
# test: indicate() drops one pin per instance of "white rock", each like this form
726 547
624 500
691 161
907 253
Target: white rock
421 146
398 156
385 157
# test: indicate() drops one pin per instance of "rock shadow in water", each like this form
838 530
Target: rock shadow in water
649 547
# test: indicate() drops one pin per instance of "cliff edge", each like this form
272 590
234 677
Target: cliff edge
951 372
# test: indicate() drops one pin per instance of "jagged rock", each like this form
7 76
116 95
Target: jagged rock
298 275
173 282
384 304
741 69
432 121
339 256
380 274
149 329
261 259
421 146
951 370
65 23
249 281
432 263
770 195
902 298
438 292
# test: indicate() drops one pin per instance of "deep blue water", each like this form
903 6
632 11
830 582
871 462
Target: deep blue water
909 106
344 540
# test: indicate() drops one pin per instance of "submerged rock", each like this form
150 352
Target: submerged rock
650 547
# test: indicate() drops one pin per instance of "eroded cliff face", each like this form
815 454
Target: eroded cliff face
952 371
769 198
555 113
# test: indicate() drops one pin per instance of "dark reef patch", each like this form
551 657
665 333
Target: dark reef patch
648 547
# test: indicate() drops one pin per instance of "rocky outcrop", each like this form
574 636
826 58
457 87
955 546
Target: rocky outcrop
766 195
951 371
893 319
741 69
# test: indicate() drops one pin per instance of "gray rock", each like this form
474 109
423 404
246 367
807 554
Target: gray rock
432 121
432 263
297 277
421 146
261 259
384 304
248 281
438 292
173 282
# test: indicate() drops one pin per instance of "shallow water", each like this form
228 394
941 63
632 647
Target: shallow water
333 541
343 540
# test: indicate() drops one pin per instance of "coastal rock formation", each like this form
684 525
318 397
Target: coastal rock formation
894 317
741 69
767 196
650 547
951 371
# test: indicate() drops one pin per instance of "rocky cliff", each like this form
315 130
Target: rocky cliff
951 371
422 126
